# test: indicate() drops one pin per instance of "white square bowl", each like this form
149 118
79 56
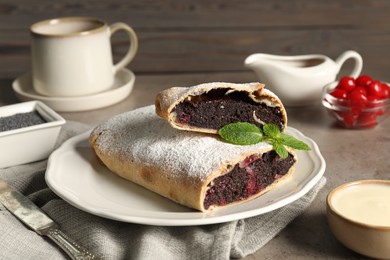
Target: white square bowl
31 143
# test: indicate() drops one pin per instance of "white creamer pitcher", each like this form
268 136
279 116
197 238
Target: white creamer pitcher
298 80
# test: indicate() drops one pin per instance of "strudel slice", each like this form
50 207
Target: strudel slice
194 169
209 106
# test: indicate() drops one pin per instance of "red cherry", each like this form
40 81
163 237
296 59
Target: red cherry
373 101
347 83
385 90
357 102
380 112
367 119
375 89
361 90
363 80
357 98
339 93
350 119
371 98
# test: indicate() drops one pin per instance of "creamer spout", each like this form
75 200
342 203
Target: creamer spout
253 61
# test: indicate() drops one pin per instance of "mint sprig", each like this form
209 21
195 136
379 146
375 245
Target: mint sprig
243 133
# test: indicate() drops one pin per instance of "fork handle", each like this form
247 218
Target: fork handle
71 248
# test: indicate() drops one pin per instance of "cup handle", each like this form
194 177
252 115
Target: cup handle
133 44
351 55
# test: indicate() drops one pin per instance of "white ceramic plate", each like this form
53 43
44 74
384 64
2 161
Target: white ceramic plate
75 174
123 84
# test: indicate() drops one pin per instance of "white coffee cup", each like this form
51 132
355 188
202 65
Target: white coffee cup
72 56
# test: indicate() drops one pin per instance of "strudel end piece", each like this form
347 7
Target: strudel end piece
194 169
209 106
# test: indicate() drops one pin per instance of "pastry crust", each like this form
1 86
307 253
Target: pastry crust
143 148
168 99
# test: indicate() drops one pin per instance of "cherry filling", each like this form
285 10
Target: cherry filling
247 178
218 108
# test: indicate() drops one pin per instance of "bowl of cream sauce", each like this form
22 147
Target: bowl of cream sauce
359 216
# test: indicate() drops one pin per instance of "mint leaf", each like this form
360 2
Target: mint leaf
241 133
294 143
271 130
244 133
279 148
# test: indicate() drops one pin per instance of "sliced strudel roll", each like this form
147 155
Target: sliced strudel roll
194 169
208 107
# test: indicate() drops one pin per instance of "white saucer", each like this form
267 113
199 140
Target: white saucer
124 81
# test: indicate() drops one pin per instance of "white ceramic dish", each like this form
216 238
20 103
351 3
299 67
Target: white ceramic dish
31 143
123 85
359 216
88 185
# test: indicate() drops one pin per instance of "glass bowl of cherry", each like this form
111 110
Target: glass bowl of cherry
363 102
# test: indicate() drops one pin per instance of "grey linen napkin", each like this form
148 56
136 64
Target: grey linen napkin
117 240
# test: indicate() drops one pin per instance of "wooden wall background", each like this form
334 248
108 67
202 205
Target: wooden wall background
186 36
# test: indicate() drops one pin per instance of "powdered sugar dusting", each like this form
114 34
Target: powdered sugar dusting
146 138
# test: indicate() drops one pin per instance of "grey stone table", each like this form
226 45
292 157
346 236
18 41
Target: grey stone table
350 155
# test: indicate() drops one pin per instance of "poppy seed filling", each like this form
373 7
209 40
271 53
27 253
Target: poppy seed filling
219 107
247 178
